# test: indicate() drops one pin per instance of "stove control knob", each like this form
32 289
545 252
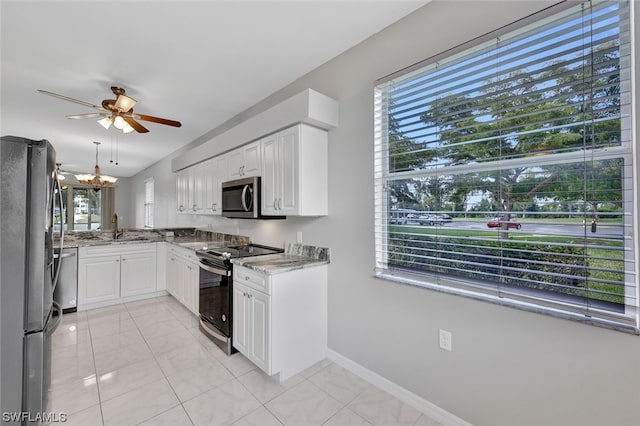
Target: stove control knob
224 318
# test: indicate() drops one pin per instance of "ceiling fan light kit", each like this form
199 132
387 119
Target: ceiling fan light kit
118 112
105 122
96 181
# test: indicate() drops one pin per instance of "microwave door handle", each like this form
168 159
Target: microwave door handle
244 198
244 193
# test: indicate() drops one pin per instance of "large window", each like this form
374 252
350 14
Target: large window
85 209
504 170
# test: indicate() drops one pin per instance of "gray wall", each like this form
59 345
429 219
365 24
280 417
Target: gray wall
507 367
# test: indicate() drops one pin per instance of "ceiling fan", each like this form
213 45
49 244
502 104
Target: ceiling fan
118 111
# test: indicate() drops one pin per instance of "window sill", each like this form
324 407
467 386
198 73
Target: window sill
489 294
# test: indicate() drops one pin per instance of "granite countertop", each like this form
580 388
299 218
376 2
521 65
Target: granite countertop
185 237
295 256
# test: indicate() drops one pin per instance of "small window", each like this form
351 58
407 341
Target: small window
148 203
505 171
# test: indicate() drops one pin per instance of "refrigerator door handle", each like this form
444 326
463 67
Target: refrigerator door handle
50 330
56 275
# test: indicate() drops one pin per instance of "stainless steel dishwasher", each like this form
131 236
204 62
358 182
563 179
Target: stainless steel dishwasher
66 292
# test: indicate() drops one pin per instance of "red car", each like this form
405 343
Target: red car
497 222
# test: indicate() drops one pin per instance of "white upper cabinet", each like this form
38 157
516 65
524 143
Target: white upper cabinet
182 192
214 174
295 172
293 164
244 161
198 188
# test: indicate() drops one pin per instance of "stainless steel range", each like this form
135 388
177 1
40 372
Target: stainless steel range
216 290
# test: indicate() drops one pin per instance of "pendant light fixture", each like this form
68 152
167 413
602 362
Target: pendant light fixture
96 181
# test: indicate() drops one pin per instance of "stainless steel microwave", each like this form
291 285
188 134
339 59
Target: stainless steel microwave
241 199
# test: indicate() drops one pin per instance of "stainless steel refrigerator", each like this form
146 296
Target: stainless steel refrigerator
28 193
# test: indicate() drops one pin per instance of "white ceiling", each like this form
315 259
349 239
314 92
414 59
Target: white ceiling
197 62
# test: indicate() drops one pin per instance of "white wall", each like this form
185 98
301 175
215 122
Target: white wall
122 203
507 367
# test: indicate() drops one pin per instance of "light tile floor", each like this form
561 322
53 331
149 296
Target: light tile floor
147 363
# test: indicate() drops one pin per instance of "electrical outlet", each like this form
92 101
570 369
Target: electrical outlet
299 237
445 340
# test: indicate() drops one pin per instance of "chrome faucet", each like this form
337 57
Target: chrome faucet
116 234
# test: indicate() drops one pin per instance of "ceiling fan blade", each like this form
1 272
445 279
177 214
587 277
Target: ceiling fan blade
66 98
90 115
136 126
157 120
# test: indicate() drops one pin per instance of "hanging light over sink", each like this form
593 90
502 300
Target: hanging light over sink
96 180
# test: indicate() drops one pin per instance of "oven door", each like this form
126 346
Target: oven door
215 299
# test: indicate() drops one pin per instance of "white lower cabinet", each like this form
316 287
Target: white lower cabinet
115 272
98 279
183 276
280 321
252 315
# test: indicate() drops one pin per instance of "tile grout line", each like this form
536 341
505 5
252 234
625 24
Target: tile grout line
95 369
162 371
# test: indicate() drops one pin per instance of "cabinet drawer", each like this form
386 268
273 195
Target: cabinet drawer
252 279
184 253
119 249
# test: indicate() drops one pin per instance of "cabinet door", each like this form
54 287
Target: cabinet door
269 175
260 330
174 277
208 188
252 163
235 161
220 175
288 171
191 281
137 274
181 192
198 179
240 319
98 279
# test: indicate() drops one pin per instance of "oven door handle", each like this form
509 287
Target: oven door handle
212 331
218 271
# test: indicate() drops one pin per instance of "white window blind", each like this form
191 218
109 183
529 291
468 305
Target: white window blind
505 171
148 202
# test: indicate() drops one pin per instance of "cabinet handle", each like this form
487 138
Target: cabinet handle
181 208
246 278
244 293
250 296
275 204
279 203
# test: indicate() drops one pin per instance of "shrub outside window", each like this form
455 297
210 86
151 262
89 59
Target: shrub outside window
504 171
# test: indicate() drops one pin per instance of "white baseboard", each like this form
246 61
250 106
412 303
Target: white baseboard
410 398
